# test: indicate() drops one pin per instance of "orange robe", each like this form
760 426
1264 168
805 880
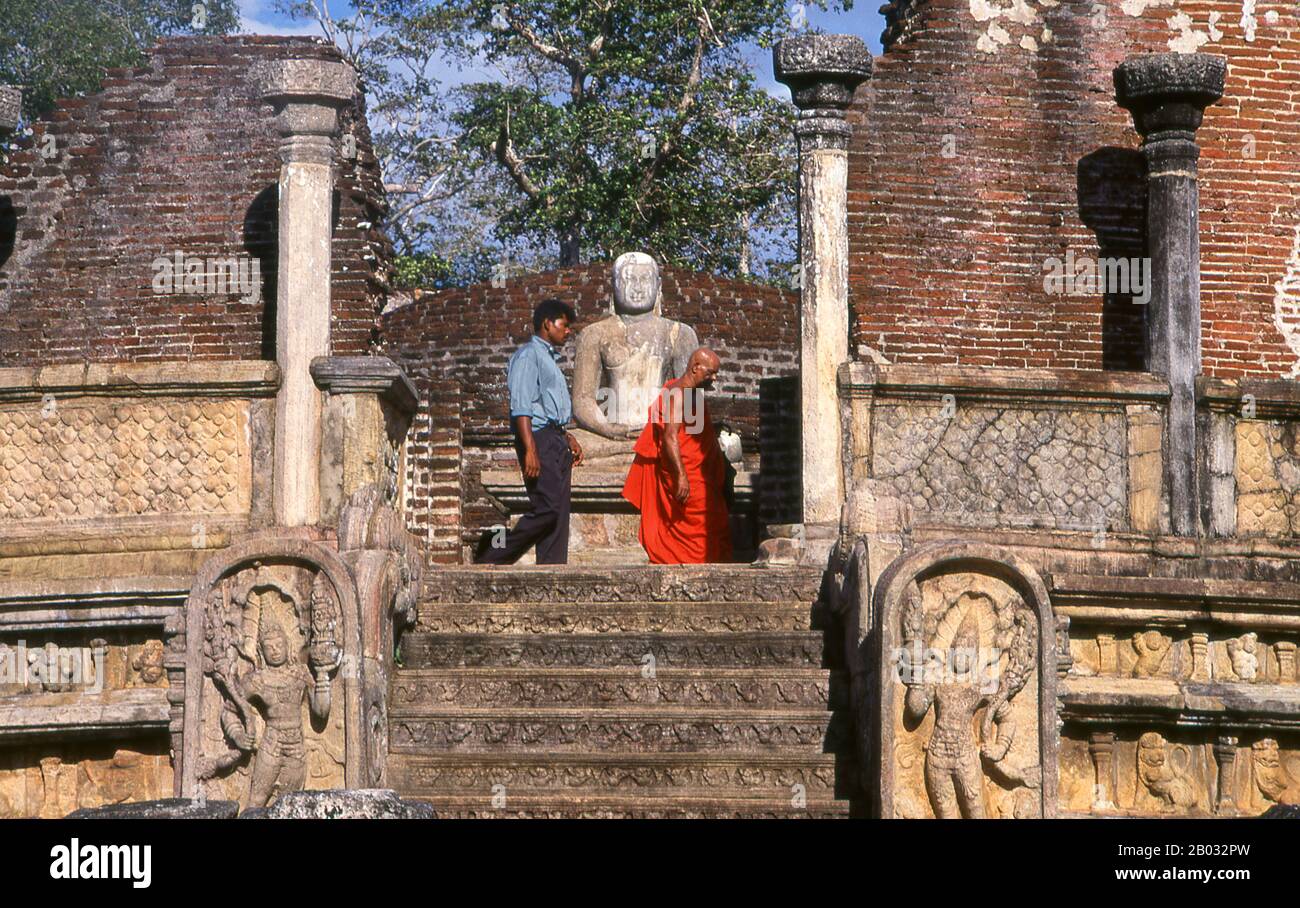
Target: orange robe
699 531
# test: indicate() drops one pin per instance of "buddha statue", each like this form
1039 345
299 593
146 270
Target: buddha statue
622 361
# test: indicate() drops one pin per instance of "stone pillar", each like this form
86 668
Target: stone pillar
1101 747
822 71
307 95
1200 656
1225 753
1167 95
11 106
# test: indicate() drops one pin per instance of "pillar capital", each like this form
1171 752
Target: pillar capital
11 105
1167 95
822 71
307 95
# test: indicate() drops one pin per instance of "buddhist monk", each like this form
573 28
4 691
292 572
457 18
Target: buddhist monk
677 478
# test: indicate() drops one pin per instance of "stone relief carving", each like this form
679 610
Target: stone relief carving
983 466
1151 647
271 652
1268 478
966 659
1243 654
1162 768
963 641
1273 780
115 458
263 678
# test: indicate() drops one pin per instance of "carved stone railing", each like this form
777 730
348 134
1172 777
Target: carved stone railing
1171 660
974 447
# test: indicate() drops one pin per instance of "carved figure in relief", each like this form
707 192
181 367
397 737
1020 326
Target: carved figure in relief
1160 773
149 663
1151 648
1271 777
280 686
1243 652
274 687
951 683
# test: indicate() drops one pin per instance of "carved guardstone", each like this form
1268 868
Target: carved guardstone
272 648
966 687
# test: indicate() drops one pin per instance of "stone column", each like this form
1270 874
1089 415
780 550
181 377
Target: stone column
1225 753
822 71
307 95
1101 747
1167 95
11 106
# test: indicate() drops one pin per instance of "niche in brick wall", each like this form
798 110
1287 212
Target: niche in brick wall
1112 203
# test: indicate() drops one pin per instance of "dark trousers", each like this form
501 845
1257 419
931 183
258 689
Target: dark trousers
547 524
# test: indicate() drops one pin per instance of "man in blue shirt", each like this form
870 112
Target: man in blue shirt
539 409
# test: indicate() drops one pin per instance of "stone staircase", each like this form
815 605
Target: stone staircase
634 692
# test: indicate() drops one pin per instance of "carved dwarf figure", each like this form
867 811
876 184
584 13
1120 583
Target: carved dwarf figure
621 362
1159 774
1151 648
280 686
1271 777
1243 652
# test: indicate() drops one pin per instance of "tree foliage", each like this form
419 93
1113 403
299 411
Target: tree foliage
60 48
604 125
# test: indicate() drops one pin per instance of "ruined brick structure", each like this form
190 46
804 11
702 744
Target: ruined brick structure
467 335
1041 555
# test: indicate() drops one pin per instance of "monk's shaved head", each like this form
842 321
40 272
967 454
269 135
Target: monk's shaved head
701 369
704 357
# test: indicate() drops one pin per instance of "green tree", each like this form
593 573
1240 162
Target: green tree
638 124
60 48
611 125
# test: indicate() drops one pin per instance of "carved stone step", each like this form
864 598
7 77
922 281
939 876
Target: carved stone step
413 690
613 617
646 583
769 775
597 807
642 730
657 651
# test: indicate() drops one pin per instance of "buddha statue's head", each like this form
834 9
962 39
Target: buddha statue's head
636 284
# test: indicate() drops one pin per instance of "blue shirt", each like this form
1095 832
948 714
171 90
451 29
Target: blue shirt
537 387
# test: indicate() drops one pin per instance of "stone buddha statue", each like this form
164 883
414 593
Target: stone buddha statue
621 362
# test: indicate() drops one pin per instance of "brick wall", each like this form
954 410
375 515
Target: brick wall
179 155
969 169
433 472
468 335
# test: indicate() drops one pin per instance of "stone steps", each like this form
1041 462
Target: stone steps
646 650
624 807
526 730
614 617
778 774
634 692
418 690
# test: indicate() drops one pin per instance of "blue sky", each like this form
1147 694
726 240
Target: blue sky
259 16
